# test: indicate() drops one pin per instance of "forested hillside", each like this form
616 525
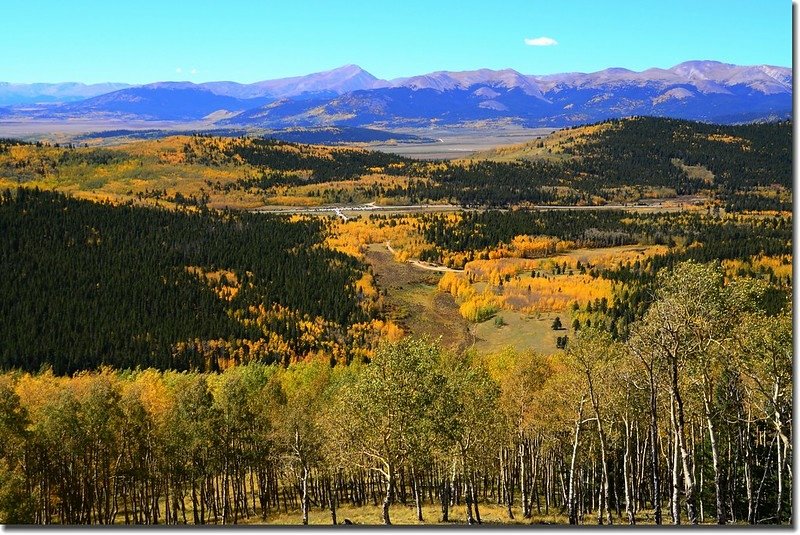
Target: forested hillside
747 167
706 237
89 284
739 163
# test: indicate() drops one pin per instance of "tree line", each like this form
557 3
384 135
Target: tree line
284 159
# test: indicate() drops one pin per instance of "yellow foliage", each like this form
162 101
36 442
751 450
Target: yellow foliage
522 293
366 336
474 306
479 307
537 246
725 138
780 266
456 285
391 331
224 282
352 236
149 390
553 294
493 271
366 286
521 246
605 258
147 166
35 391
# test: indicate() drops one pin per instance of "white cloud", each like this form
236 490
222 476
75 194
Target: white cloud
193 71
179 70
541 41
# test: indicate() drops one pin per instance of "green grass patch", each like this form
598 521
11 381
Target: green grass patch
520 331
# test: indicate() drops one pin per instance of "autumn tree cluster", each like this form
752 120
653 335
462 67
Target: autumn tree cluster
689 420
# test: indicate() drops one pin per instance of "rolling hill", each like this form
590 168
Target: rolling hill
743 167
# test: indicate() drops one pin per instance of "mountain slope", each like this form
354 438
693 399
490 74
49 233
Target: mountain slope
330 83
162 101
746 167
506 79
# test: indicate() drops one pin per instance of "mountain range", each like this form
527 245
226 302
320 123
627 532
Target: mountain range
349 96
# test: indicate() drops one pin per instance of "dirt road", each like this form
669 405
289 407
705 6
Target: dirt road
424 265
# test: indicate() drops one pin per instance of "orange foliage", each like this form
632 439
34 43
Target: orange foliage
493 271
474 306
456 285
524 246
521 246
602 258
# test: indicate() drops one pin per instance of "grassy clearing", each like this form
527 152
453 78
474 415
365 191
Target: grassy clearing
521 331
406 515
548 148
492 514
695 171
459 141
415 303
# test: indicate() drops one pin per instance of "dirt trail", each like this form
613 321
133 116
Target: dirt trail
424 265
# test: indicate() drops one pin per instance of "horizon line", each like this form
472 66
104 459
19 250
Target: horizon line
6 82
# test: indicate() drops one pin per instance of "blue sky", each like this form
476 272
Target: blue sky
143 41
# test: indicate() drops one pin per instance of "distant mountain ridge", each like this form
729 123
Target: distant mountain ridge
333 82
11 94
350 96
